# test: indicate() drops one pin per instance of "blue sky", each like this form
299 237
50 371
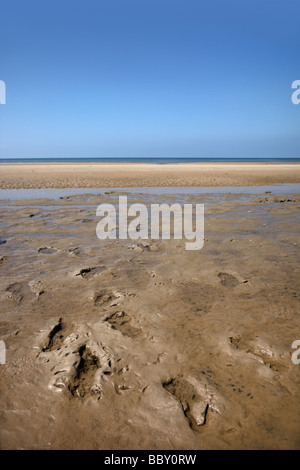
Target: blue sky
147 78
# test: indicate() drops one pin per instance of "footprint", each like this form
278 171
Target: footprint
53 332
195 398
122 322
89 273
110 298
83 382
271 356
18 291
232 279
57 335
47 251
104 298
74 251
227 280
143 246
36 287
80 364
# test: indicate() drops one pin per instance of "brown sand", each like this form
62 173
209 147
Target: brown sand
125 345
90 175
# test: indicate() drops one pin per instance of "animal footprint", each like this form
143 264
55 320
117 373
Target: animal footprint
195 397
106 298
83 381
89 273
80 364
227 280
231 280
122 322
47 251
271 356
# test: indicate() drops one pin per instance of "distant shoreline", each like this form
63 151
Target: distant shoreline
124 175
146 163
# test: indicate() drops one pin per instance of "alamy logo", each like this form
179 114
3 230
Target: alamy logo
2 92
136 222
296 95
296 354
2 352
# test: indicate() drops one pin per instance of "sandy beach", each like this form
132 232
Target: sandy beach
95 175
149 229
123 344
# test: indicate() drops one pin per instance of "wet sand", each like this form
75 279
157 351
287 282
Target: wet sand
119 344
90 175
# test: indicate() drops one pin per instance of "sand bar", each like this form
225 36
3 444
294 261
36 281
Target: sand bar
89 175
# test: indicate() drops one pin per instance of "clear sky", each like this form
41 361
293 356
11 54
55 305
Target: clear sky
145 78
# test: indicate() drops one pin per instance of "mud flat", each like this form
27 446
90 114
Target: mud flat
123 344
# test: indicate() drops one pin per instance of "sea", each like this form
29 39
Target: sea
153 160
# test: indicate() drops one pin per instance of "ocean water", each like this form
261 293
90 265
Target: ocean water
57 193
154 160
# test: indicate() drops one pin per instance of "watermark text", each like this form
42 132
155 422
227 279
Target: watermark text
2 92
161 221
